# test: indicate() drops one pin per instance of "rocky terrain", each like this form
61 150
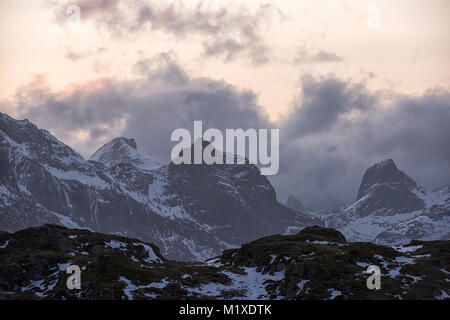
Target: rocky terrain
391 208
316 263
192 212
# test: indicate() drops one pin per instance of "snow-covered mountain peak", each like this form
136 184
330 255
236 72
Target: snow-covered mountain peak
24 122
123 150
26 140
385 164
129 141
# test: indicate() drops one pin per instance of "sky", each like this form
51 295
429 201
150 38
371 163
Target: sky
348 83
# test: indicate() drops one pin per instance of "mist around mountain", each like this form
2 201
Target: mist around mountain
294 203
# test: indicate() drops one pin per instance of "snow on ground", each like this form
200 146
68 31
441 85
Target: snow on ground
35 284
301 285
152 257
3 246
114 244
40 288
334 293
130 287
362 264
327 242
63 266
253 283
370 226
443 295
404 249
404 260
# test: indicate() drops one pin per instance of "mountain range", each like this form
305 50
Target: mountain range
192 212
391 208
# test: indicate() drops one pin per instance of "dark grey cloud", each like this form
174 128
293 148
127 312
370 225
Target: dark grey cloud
148 109
323 102
91 7
325 56
228 32
164 67
305 57
335 130
74 56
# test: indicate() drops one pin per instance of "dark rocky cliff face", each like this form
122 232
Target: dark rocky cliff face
234 197
386 187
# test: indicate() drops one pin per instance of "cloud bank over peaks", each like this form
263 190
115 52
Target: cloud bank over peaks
334 131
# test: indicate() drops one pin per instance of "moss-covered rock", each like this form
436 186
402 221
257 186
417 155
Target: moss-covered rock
316 263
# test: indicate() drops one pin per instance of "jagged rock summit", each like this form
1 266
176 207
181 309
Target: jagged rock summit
123 150
386 188
384 172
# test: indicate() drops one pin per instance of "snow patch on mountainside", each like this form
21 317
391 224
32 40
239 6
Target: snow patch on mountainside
94 181
433 197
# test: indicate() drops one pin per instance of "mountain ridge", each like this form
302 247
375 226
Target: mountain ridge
43 180
191 212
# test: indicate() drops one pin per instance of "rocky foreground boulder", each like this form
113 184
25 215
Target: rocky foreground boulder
316 263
